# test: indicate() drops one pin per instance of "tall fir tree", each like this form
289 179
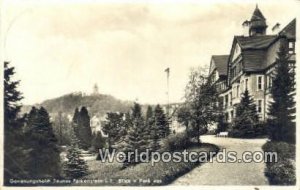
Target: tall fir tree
153 135
136 138
15 151
282 109
114 128
161 122
84 129
75 122
12 98
44 150
246 117
75 167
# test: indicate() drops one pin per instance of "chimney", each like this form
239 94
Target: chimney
276 28
246 25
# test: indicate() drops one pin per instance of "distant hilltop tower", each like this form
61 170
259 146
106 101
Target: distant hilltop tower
95 90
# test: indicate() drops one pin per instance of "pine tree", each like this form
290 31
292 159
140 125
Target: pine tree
75 167
136 138
114 128
44 150
75 122
12 98
282 108
81 126
161 122
149 114
84 129
15 151
246 117
153 135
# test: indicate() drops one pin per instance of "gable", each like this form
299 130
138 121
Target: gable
236 51
212 66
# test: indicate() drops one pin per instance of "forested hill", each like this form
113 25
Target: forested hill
98 104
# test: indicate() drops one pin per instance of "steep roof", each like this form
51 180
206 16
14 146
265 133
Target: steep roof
255 42
254 49
290 30
254 60
257 15
221 63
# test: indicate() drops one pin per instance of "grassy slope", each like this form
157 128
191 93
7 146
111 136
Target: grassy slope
162 173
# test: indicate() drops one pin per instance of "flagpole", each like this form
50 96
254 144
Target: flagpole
168 91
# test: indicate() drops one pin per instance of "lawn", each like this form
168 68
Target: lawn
143 174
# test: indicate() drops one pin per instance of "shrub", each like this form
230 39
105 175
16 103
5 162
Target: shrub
257 130
176 142
283 149
260 129
281 172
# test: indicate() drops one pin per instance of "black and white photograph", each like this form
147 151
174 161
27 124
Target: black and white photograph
149 93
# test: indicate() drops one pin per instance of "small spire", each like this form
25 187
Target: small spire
95 91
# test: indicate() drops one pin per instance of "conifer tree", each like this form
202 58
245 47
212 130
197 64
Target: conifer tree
136 138
246 117
84 129
161 122
149 113
153 134
75 122
114 128
12 98
282 108
15 151
44 150
75 167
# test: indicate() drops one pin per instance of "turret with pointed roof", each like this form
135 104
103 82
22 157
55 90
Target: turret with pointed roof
258 24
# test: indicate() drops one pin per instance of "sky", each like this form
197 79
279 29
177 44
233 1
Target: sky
63 47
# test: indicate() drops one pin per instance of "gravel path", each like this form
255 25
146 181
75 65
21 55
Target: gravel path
228 173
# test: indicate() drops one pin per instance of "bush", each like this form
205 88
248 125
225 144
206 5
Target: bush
176 142
284 150
255 131
287 132
283 171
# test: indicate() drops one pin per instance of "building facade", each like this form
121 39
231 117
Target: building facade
250 65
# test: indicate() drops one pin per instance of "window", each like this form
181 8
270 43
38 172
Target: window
259 83
237 91
259 106
230 98
231 115
226 101
291 47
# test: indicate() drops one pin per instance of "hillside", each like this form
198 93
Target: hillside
97 104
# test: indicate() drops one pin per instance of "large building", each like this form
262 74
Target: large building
250 64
